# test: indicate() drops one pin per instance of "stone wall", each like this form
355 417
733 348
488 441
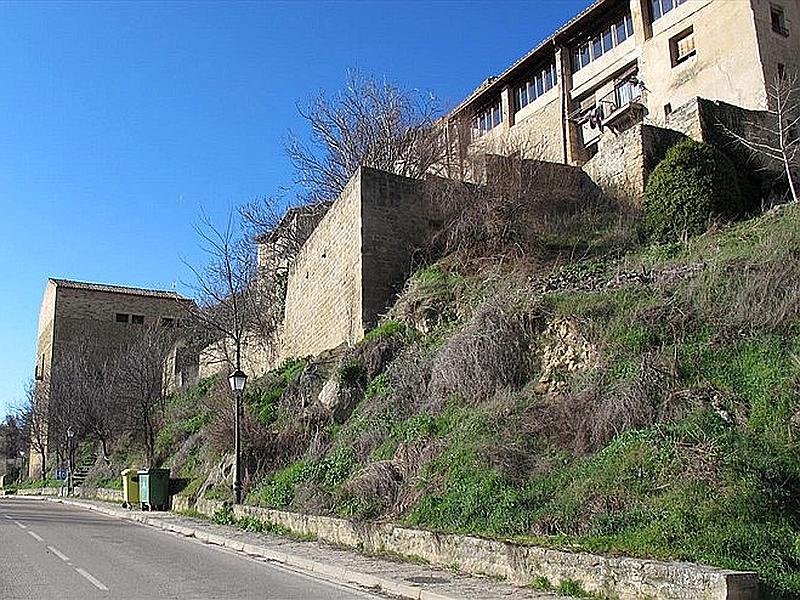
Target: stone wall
323 295
395 222
625 160
80 313
619 577
774 48
720 121
355 261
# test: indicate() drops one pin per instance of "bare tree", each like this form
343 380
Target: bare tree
776 138
142 383
33 415
371 122
229 305
280 227
12 444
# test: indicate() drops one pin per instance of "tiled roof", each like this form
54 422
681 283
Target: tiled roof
498 80
116 289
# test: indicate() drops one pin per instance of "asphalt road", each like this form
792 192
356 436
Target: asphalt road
48 550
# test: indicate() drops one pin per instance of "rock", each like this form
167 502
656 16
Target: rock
329 395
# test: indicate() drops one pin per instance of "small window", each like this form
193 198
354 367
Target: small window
488 119
585 55
597 48
122 317
167 322
137 319
778 18
539 85
621 32
658 8
667 109
626 92
608 40
781 71
682 47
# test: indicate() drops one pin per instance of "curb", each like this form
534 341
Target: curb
322 570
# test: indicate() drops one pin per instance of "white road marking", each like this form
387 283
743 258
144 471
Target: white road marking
8 517
95 582
60 555
35 536
19 524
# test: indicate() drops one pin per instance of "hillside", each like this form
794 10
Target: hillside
643 404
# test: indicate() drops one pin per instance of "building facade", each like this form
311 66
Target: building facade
76 313
623 62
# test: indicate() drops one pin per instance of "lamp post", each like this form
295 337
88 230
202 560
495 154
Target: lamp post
22 473
70 435
237 379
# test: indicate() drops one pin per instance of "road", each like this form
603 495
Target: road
49 550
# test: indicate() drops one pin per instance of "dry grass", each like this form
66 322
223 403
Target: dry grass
491 353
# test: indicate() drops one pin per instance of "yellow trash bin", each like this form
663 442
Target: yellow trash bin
130 488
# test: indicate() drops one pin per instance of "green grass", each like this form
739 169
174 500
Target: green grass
387 330
264 394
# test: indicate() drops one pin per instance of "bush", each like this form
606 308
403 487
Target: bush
694 185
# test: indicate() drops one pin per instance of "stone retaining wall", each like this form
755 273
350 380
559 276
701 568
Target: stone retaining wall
45 491
618 577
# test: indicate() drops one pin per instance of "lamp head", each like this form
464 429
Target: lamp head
238 379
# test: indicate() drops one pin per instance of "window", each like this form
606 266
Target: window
487 119
602 43
626 92
682 47
667 109
541 82
167 322
137 319
608 40
778 19
582 57
597 48
658 8
122 317
781 71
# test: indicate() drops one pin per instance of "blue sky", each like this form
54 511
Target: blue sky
119 121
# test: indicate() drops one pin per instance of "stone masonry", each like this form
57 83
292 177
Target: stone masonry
355 261
74 313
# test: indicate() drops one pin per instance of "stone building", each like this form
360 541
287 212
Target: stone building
74 312
624 64
597 104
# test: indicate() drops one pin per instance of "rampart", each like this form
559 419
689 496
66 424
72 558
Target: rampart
354 263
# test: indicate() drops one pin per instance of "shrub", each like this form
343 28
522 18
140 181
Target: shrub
265 394
350 372
278 491
694 185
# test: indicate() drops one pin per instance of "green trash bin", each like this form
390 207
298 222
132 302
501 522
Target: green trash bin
130 488
154 489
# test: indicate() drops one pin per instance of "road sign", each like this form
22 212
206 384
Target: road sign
61 474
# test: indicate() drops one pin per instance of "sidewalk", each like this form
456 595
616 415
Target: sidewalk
392 577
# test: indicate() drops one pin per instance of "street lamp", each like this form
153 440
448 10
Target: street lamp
22 473
70 435
237 379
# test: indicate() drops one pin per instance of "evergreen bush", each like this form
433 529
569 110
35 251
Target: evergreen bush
693 186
